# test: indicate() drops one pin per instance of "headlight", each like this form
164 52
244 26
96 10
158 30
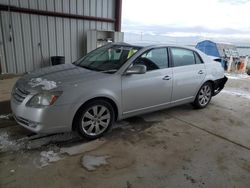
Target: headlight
44 99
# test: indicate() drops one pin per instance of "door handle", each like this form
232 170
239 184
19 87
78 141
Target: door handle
166 77
200 72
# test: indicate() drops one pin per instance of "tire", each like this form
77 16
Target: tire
203 96
94 119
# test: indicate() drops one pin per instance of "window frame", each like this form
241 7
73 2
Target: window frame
198 55
194 52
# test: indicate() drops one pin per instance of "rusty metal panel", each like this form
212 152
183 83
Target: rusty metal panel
105 11
51 29
2 50
99 13
44 35
5 2
35 36
18 42
80 29
26 35
59 30
86 11
8 42
17 39
73 32
92 9
111 13
66 33
29 40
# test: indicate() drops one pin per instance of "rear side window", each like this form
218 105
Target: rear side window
197 58
182 57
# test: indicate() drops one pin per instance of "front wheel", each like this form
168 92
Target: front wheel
95 118
204 96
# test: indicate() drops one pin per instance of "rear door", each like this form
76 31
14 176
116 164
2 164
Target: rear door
188 73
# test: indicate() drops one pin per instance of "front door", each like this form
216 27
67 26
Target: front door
152 89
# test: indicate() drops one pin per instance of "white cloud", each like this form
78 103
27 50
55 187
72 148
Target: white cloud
208 35
211 14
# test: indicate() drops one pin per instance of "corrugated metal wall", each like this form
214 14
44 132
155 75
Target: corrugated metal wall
28 41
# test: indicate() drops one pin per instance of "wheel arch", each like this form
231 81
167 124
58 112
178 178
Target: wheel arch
107 99
212 83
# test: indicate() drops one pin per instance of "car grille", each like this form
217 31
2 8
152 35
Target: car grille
22 120
19 95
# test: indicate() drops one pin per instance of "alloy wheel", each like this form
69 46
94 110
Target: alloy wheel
205 95
95 120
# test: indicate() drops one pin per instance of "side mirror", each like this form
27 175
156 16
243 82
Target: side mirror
137 69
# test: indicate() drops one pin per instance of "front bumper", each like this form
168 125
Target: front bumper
52 119
219 85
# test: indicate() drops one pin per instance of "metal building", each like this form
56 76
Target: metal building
31 31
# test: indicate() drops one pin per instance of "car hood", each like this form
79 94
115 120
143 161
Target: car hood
57 76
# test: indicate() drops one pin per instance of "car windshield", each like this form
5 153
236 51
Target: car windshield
107 59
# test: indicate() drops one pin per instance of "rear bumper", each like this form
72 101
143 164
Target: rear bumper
219 85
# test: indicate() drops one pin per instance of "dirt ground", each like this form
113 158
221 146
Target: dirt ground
177 147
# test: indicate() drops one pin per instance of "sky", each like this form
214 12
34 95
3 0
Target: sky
223 20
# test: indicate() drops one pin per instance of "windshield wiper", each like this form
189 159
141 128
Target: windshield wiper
89 68
109 71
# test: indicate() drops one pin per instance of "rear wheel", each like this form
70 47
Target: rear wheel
204 96
95 118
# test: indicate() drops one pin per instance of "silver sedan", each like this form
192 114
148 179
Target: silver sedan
111 83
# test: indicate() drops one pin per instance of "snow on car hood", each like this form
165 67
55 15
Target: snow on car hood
46 84
56 76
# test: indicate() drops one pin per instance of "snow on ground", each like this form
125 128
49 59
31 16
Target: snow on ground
91 162
6 116
237 92
7 144
81 148
46 157
237 76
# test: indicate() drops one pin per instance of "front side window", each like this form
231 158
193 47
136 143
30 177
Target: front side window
154 59
182 57
107 59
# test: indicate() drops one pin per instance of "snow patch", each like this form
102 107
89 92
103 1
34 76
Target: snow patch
85 147
91 162
237 76
47 85
7 144
237 92
6 116
47 157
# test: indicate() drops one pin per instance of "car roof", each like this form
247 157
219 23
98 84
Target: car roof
152 45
